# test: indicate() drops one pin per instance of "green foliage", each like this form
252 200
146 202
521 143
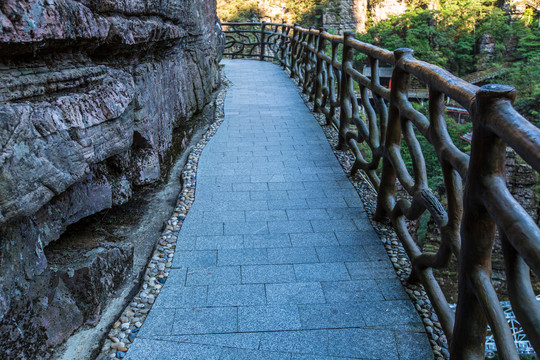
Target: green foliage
421 233
525 72
238 10
444 37
433 167
449 37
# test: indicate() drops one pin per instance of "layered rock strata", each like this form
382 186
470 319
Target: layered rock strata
354 15
94 100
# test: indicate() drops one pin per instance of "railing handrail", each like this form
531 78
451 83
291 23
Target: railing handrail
468 221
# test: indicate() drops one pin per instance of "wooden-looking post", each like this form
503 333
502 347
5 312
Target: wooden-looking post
477 301
319 71
263 25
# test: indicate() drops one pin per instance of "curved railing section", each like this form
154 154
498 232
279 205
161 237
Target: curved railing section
477 200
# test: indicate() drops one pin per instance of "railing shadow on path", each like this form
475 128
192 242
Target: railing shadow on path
477 199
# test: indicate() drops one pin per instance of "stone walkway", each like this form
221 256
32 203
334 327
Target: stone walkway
277 259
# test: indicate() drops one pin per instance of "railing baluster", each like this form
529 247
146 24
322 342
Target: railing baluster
319 71
263 25
477 233
400 84
335 87
283 44
294 49
346 84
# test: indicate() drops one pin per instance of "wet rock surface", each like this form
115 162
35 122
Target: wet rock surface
96 99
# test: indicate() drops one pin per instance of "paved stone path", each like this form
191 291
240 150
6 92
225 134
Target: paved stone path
277 259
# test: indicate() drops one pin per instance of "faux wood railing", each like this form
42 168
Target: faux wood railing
477 198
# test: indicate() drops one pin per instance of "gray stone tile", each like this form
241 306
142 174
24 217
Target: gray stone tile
392 289
347 213
321 272
295 293
186 243
340 253
213 275
242 257
158 322
325 203
289 227
413 346
317 357
267 241
306 341
230 196
331 316
297 177
268 177
333 225
362 343
375 252
205 320
197 258
287 204
314 239
391 312
338 192
244 354
147 349
236 340
221 216
248 227
237 205
371 270
319 170
268 318
181 296
220 242
292 255
177 277
351 291
236 295
363 224
200 227
269 195
358 238
267 274
354 201
256 186
307 214
266 215
330 184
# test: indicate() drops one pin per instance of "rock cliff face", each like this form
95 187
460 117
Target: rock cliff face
353 15
94 98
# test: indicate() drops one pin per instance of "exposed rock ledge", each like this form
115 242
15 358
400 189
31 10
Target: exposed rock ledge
94 100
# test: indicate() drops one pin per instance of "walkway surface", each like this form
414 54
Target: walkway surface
277 259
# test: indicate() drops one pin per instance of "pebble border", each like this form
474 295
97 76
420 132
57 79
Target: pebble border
126 328
387 235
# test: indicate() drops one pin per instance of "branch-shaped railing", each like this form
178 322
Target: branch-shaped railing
477 198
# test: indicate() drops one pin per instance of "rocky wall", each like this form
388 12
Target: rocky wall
354 15
94 97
